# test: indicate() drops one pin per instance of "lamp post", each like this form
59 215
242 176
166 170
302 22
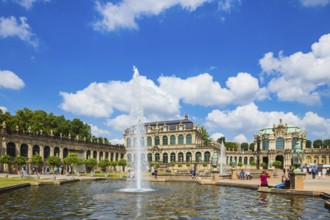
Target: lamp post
297 157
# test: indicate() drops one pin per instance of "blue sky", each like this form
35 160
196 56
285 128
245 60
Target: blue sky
234 66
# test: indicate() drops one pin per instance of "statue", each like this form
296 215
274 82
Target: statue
215 160
4 126
270 163
233 164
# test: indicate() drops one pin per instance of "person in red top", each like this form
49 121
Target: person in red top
263 178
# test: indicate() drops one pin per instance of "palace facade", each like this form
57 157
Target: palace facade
173 142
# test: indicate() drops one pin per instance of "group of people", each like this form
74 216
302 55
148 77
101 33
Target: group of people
245 174
44 170
192 173
285 180
154 172
320 172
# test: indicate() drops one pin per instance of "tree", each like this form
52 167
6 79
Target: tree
240 164
277 164
103 164
73 160
222 139
205 137
36 160
251 147
5 159
123 163
308 144
317 143
91 163
54 161
253 163
232 146
245 146
114 164
263 165
326 143
19 161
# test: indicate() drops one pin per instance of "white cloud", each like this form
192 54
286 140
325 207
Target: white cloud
125 13
117 141
3 108
314 3
97 132
10 80
102 99
202 90
27 4
300 76
248 119
228 5
11 27
216 136
240 139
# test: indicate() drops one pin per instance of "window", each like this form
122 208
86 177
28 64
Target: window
245 160
46 152
188 139
165 140
157 157
11 149
207 156
172 157
172 140
198 157
57 152
24 150
149 141
128 142
180 155
157 140
280 143
188 157
265 144
165 158
180 139
294 142
149 157
35 149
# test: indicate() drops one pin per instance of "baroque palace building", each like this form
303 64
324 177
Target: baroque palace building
26 144
173 142
277 143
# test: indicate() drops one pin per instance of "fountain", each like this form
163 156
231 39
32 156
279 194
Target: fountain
136 133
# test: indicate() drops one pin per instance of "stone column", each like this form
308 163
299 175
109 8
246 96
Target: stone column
215 176
297 180
17 149
41 153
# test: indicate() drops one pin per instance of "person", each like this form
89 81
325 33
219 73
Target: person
152 171
241 175
285 181
314 171
62 169
248 175
263 178
324 172
319 173
155 173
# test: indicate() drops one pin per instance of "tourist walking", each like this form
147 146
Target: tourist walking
314 171
264 179
241 175
324 172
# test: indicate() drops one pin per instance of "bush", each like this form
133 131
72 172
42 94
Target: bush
204 164
180 165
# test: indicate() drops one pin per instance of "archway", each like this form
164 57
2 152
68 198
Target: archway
280 158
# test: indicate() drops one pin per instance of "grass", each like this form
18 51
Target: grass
14 181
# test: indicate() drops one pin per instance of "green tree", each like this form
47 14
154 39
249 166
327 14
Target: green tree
222 139
251 147
5 159
91 163
317 143
114 164
263 165
308 144
54 161
240 164
19 161
103 164
277 164
244 146
326 143
253 163
232 146
122 163
205 137
73 161
36 160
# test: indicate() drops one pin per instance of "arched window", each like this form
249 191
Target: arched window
251 159
117 156
101 156
173 157
106 155
66 152
245 160
240 159
128 142
280 143
149 141
165 158
46 152
180 139
11 151
188 157
172 140
265 144
188 139
95 154
149 157
207 156
129 158
157 140
165 140
294 142
198 157
180 157
57 152
24 150
36 150
157 157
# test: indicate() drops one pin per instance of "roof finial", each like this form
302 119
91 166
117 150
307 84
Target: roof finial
186 116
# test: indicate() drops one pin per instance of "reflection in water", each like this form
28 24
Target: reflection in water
104 200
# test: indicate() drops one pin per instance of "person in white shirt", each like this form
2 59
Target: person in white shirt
324 172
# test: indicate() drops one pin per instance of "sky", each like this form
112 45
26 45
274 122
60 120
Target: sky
234 66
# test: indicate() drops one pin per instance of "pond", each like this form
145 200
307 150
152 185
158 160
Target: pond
104 200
